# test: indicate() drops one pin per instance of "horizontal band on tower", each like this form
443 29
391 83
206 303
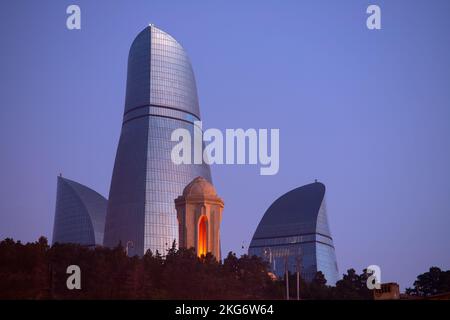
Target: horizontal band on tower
160 110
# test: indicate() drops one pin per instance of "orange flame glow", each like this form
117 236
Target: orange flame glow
202 246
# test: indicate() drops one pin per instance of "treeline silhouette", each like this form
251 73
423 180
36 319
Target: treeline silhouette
38 271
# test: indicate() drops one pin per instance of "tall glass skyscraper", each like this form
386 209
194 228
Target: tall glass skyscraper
79 214
294 233
161 96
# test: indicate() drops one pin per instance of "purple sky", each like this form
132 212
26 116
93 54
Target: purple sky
365 112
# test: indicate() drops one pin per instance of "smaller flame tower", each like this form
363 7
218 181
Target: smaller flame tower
199 213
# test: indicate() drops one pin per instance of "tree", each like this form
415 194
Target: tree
38 271
352 286
433 282
318 288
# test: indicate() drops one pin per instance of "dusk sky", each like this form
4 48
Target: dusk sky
366 112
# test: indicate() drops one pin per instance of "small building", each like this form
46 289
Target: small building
388 291
199 213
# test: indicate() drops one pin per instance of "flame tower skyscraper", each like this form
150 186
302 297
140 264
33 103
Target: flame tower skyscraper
161 96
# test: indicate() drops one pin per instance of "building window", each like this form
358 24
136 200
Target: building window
202 227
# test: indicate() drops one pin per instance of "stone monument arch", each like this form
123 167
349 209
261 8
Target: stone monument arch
199 214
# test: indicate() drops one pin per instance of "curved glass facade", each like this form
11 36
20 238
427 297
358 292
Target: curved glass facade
79 214
294 233
161 96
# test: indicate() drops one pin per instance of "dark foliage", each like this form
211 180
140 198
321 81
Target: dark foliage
435 281
37 271
351 287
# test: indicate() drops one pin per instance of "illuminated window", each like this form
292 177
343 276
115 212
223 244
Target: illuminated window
201 245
